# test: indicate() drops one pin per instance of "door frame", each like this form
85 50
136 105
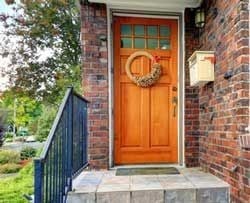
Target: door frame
111 12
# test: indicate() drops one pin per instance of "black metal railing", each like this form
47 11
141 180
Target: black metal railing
65 151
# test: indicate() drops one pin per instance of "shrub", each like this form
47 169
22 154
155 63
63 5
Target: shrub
28 152
8 140
12 189
9 168
8 135
8 156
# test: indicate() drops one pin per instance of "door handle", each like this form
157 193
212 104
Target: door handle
175 102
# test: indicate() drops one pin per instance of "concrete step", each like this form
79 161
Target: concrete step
191 186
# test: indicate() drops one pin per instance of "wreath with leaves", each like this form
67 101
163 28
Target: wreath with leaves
145 80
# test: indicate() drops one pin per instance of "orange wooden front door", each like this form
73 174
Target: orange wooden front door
145 119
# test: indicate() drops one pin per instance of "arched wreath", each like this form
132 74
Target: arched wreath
145 80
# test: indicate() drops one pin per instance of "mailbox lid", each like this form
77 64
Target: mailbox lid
198 54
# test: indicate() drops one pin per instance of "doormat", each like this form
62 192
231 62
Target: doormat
146 171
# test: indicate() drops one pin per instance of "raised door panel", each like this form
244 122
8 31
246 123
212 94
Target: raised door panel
131 110
160 107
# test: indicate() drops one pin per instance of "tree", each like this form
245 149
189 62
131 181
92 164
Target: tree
45 122
46 38
27 110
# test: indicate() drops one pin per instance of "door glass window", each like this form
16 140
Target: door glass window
152 31
164 31
164 44
152 44
145 36
126 43
126 30
139 30
139 43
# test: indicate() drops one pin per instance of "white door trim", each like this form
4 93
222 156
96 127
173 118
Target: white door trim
181 75
156 5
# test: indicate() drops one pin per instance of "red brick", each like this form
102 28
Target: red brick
95 80
219 150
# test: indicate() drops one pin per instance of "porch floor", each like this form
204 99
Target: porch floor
190 186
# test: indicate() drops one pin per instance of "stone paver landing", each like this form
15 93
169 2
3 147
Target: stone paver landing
191 186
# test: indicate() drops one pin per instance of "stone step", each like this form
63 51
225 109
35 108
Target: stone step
191 186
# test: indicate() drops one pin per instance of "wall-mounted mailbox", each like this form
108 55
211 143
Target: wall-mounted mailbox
201 67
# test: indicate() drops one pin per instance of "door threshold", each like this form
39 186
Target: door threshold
147 166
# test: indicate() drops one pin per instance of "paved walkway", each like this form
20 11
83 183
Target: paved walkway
18 146
191 186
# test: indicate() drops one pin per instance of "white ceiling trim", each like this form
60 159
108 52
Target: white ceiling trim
151 5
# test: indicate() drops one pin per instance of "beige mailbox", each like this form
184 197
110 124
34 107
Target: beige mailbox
201 67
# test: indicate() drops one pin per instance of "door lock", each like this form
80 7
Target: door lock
174 89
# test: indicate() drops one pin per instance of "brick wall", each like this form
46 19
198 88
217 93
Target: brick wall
225 103
95 80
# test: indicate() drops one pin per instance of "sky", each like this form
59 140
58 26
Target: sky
4 8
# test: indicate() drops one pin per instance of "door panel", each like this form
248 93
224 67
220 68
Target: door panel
145 118
159 116
131 99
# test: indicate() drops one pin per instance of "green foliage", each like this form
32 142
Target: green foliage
3 123
45 122
8 140
47 33
10 168
13 189
45 58
28 152
8 135
8 156
65 80
38 152
27 109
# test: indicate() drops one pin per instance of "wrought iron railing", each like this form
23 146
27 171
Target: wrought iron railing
65 151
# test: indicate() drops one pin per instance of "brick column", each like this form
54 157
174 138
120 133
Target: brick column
191 96
95 80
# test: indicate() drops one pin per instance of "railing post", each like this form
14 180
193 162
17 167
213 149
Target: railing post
86 131
38 165
70 140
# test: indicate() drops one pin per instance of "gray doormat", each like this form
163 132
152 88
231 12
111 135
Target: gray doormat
146 171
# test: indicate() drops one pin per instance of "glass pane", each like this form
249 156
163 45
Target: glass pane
126 30
126 43
152 43
152 31
139 30
139 43
164 31
165 44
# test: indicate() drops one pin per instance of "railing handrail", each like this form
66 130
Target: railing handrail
55 124
57 119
